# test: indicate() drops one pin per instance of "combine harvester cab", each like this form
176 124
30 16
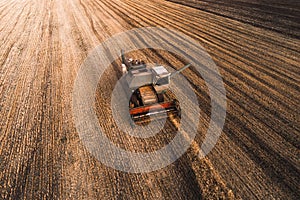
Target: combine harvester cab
148 89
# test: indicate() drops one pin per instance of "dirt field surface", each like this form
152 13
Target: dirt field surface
256 46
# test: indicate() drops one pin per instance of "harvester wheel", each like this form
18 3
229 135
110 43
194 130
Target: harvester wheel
135 100
160 97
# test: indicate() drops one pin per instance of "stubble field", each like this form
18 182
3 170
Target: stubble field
256 47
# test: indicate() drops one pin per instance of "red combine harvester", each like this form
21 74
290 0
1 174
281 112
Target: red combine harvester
148 90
